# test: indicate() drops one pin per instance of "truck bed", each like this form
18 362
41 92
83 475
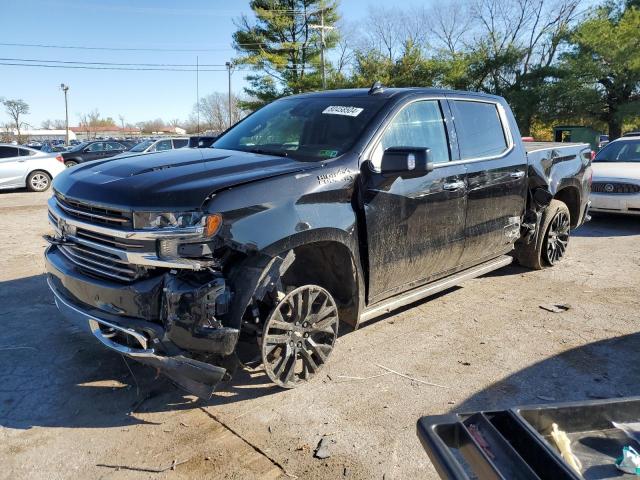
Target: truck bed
535 146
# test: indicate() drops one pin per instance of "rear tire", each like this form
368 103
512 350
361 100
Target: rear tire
38 181
552 239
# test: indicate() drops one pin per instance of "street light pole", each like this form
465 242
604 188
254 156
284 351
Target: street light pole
229 66
65 89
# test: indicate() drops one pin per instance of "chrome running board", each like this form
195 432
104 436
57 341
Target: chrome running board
419 293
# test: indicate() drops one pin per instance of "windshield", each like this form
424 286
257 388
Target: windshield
308 129
142 146
622 151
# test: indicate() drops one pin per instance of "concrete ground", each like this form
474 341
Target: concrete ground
71 409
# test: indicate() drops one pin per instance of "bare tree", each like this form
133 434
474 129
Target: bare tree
214 111
390 30
16 109
449 25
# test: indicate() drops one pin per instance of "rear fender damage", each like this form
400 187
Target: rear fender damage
539 199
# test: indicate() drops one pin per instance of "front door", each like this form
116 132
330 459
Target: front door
414 226
496 178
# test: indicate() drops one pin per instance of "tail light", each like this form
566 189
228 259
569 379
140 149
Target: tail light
59 158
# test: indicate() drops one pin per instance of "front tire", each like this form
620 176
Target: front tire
38 181
299 335
70 163
552 239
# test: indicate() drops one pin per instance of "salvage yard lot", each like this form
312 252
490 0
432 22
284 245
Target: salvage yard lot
66 402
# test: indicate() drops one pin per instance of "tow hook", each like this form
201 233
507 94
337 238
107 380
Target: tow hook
55 241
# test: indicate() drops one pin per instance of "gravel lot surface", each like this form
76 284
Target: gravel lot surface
71 409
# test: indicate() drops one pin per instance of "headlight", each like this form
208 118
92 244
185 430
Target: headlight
207 224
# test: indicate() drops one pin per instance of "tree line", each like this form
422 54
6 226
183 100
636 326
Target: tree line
553 60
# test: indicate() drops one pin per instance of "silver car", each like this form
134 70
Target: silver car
26 167
149 146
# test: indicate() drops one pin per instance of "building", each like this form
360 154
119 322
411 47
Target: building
89 133
40 135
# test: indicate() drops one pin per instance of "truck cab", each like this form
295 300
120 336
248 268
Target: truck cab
317 211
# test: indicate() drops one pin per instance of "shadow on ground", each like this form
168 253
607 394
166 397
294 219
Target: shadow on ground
604 369
52 374
603 225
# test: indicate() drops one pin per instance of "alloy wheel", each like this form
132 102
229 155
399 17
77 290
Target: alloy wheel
557 238
299 335
39 182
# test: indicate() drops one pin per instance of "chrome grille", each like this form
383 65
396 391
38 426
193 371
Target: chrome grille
99 262
113 242
93 213
615 188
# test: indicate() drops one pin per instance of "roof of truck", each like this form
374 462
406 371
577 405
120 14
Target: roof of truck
388 92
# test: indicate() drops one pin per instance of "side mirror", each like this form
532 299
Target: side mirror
85 150
406 162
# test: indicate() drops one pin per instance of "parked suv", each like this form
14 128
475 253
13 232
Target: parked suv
318 210
96 150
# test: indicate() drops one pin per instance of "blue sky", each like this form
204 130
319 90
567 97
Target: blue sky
137 95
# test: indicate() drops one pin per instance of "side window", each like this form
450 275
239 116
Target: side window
480 130
114 146
180 142
96 147
8 152
24 152
163 145
420 124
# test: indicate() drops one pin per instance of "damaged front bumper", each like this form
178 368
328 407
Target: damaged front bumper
162 322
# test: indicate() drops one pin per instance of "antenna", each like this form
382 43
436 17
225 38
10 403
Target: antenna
376 88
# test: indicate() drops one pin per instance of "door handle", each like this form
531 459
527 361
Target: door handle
518 174
453 186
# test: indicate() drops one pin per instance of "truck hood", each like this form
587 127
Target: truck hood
616 170
171 180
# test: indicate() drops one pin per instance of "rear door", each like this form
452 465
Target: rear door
414 226
495 177
13 167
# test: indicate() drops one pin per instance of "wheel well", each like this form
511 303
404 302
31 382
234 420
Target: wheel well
331 266
571 198
39 170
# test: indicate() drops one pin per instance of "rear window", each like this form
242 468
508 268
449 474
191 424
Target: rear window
479 128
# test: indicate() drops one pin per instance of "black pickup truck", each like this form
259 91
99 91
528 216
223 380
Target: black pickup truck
320 208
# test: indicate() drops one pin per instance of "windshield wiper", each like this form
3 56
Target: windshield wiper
266 151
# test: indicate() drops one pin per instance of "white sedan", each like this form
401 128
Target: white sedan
26 167
616 177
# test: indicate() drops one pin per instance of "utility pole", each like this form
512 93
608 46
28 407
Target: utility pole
322 29
198 92
65 89
230 66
